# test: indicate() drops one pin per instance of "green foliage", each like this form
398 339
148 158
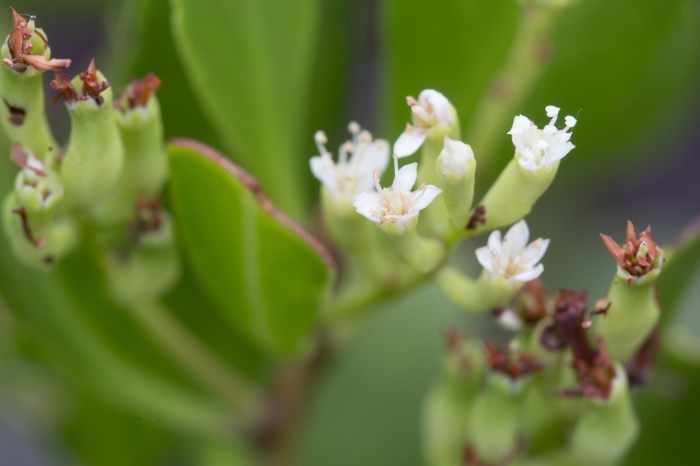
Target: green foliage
679 271
264 272
249 62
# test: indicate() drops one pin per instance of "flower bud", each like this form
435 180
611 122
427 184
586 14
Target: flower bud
455 169
145 167
32 219
148 265
446 407
530 173
92 164
633 311
606 428
26 54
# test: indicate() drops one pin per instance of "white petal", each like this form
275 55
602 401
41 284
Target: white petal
369 205
441 106
409 143
485 258
374 159
552 111
403 219
494 242
528 275
430 192
534 252
510 321
406 178
528 164
517 236
324 171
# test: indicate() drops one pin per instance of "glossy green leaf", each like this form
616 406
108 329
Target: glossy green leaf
267 275
250 65
626 65
679 270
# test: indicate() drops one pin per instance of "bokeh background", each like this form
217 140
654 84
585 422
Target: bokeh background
629 71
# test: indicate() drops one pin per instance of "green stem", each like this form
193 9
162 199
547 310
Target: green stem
205 366
527 58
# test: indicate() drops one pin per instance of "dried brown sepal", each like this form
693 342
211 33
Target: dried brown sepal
139 92
62 83
21 53
148 217
639 365
512 365
21 159
477 218
601 307
592 366
37 242
628 256
92 88
530 303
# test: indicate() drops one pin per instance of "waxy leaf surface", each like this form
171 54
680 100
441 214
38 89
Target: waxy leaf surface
266 274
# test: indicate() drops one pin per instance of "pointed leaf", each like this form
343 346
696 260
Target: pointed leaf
267 275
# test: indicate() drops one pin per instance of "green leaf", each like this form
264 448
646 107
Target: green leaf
266 274
250 65
627 65
678 272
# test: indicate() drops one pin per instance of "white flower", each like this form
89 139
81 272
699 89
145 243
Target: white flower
397 204
455 156
539 148
509 320
358 161
432 108
510 258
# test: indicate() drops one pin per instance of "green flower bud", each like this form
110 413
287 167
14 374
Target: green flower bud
26 55
92 164
149 265
530 173
455 168
633 311
145 167
433 117
607 428
447 405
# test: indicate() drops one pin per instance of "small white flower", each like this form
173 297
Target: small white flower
509 320
455 156
397 204
432 108
358 161
510 258
539 148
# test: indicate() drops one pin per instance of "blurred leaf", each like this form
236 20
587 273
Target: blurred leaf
267 275
669 409
679 270
249 62
626 64
143 44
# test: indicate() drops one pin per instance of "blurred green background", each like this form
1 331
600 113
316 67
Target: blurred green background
629 70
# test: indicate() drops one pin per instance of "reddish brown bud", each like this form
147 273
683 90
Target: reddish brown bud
477 218
512 365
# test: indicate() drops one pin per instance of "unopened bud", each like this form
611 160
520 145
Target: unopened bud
455 170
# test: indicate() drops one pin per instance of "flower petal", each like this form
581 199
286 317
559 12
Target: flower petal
430 192
534 252
403 219
406 178
517 236
528 275
323 169
485 258
494 241
374 159
441 106
369 205
409 143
